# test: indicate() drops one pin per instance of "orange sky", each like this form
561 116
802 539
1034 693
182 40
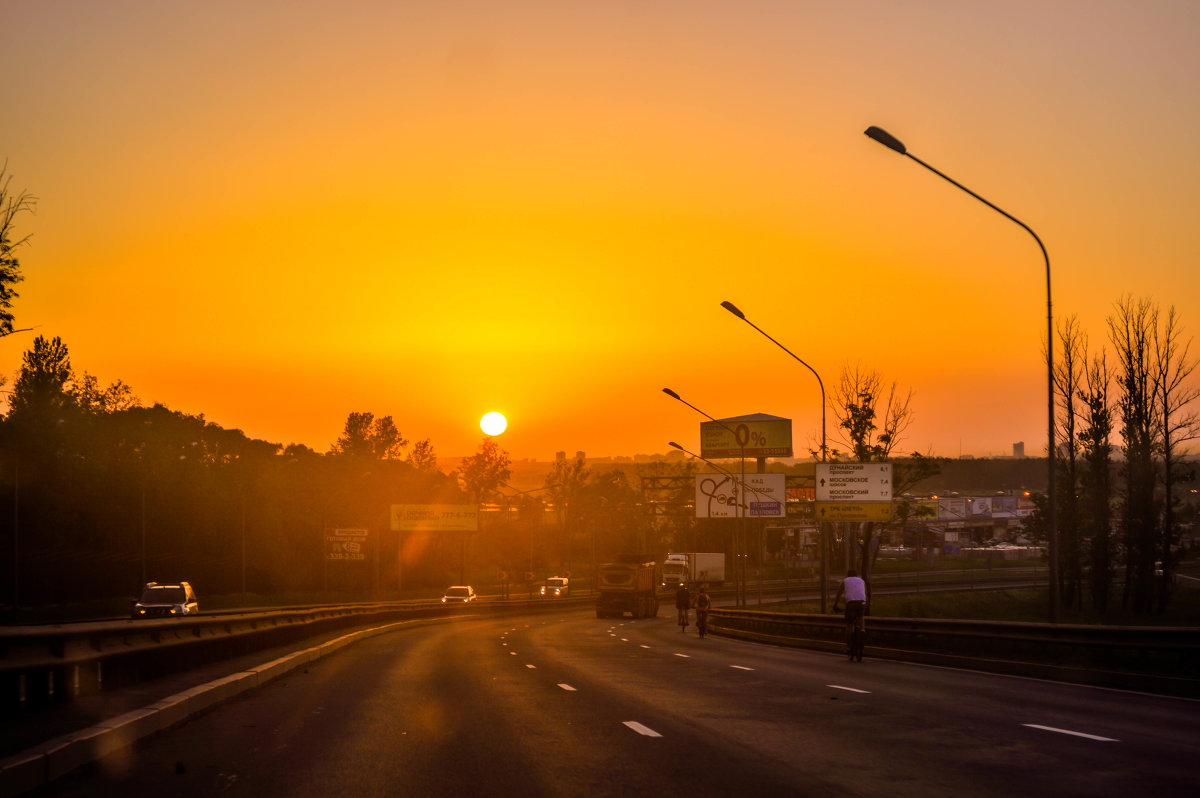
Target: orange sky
281 212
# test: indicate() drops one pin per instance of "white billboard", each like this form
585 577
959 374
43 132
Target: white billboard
854 482
717 496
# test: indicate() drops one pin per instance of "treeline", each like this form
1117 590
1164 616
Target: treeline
1125 413
99 493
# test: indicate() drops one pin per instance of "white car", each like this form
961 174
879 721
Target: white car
555 587
463 594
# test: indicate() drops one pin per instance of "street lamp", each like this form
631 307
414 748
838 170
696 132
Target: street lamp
741 576
732 308
894 144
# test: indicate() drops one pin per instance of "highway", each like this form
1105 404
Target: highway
567 704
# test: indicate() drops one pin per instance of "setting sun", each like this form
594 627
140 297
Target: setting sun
493 423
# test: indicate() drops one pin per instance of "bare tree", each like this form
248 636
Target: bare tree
11 205
1178 424
1132 329
1068 377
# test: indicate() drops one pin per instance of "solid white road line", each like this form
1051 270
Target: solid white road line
640 729
1072 733
851 689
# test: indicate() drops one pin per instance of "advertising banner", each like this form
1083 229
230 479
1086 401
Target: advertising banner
346 544
754 436
435 517
952 509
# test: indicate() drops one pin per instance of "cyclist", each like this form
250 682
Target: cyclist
703 605
683 600
856 592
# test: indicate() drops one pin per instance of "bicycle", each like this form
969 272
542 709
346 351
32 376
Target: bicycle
702 621
856 629
683 618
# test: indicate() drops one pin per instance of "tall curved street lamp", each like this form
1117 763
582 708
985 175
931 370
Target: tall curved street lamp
894 144
739 571
732 308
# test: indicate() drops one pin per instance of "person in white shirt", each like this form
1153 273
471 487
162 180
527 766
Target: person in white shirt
856 592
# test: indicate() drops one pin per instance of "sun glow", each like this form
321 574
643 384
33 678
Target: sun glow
493 423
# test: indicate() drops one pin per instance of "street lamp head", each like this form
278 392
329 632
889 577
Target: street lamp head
886 139
674 444
670 393
732 308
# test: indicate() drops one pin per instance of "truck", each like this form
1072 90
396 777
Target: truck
705 567
628 585
675 570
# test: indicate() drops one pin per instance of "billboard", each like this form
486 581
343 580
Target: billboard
717 496
435 517
346 544
854 482
757 435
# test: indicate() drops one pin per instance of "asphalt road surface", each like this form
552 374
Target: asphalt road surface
570 705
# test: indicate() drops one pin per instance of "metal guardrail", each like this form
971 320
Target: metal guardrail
52 664
1154 659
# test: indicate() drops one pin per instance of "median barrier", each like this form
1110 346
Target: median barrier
1153 659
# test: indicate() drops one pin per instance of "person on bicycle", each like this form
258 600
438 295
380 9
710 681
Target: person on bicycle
855 590
703 605
683 600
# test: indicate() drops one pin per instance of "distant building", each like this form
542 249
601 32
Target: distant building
1019 449
560 457
581 456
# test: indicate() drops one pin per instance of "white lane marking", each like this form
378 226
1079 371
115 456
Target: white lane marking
512 653
640 729
645 646
741 667
567 687
851 689
1072 733
624 639
685 656
530 666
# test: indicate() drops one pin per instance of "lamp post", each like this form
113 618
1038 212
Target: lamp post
894 144
732 308
740 567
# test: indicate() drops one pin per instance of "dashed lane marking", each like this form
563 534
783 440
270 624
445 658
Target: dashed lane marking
741 667
685 656
567 687
645 646
849 689
640 729
527 665
1072 733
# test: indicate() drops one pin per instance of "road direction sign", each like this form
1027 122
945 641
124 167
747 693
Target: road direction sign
854 482
853 511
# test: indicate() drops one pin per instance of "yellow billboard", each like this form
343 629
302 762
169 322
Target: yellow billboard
756 435
435 517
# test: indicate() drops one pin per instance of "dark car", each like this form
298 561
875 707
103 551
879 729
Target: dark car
166 600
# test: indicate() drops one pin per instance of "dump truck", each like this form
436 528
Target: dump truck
628 585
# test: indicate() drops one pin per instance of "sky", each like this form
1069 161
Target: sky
278 213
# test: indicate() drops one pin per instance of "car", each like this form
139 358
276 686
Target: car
166 600
464 594
556 587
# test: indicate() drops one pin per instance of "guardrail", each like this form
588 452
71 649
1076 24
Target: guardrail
1154 659
53 664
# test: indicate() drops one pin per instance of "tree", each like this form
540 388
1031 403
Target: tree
483 471
1131 330
856 407
1178 424
369 438
11 205
42 384
422 457
90 398
1068 376
1096 478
